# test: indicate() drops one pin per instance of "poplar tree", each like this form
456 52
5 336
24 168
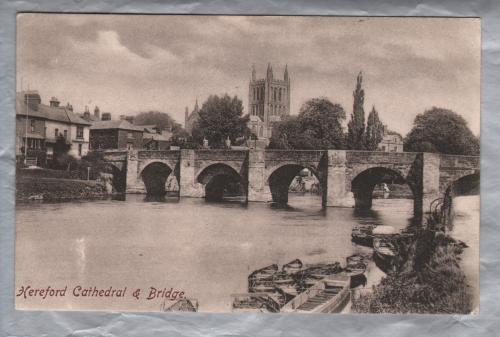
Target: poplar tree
356 125
374 131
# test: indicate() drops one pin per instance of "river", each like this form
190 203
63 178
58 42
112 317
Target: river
205 249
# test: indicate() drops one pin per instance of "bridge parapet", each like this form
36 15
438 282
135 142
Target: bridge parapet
380 157
158 154
294 155
220 155
113 155
448 161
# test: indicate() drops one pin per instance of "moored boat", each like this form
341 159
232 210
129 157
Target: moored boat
184 304
384 253
329 295
292 266
262 279
254 302
362 235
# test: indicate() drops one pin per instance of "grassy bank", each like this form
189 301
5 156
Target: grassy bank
428 280
53 185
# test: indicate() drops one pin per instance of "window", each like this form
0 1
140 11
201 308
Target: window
129 146
130 135
79 132
80 150
65 134
32 124
279 95
56 132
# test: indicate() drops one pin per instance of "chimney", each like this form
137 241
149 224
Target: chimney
86 115
69 107
130 119
106 116
97 113
32 98
54 102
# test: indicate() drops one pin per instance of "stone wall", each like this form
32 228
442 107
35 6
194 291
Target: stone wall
427 174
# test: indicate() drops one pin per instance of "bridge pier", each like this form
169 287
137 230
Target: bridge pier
188 185
258 189
338 186
132 173
429 183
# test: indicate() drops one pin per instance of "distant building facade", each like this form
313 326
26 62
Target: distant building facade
154 138
191 118
268 101
39 126
115 135
391 142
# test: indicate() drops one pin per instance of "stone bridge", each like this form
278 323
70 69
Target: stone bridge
347 178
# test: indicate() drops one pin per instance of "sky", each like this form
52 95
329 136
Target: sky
126 64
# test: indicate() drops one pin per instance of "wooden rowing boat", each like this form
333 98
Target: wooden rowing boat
255 302
329 295
384 254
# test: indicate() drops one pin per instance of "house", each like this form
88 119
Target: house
154 138
391 142
38 127
115 134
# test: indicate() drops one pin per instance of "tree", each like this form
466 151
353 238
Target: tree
356 126
287 134
374 131
220 118
321 122
318 126
441 130
161 119
61 158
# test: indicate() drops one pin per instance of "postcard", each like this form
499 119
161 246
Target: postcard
275 164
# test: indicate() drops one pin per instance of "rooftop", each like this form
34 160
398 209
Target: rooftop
42 111
121 124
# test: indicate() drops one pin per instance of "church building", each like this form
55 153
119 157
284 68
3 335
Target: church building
191 118
268 101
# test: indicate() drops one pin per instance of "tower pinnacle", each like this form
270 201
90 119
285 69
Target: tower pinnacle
269 71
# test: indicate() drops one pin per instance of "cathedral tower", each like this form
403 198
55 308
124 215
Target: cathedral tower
268 101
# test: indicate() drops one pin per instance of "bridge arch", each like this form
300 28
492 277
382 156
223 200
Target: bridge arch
365 181
119 179
155 175
282 176
465 185
221 180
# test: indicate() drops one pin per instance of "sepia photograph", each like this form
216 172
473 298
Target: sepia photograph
270 164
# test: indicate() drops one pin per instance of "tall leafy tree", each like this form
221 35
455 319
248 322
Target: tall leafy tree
374 131
318 126
220 118
441 130
356 125
162 119
287 135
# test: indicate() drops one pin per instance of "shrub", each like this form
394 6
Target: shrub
429 280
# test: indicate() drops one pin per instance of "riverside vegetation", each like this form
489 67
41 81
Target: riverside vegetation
427 279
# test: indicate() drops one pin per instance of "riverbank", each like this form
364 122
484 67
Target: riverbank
430 280
50 185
